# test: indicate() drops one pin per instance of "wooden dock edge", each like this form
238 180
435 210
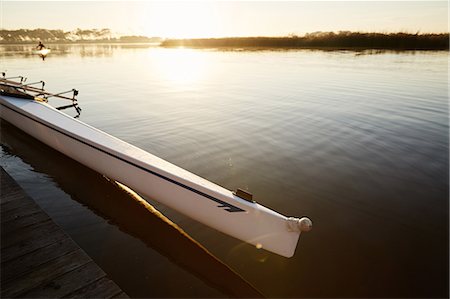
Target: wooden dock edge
38 259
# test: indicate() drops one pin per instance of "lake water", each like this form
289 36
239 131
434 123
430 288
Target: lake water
357 141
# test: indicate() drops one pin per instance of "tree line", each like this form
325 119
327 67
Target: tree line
20 36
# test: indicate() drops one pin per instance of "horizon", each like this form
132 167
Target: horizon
188 19
307 34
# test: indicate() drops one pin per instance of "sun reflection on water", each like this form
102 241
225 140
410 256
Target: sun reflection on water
180 67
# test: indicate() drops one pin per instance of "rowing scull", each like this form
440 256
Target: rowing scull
226 211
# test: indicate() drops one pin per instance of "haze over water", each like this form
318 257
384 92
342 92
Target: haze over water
357 141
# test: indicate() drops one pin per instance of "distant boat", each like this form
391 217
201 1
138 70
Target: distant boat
43 52
233 213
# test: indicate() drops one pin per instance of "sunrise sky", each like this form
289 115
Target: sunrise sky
227 18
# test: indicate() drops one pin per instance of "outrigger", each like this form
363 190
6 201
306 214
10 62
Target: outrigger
234 213
20 89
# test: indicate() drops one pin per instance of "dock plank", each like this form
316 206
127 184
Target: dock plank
14 268
68 283
38 260
30 245
17 204
16 214
24 221
44 273
12 195
102 288
41 230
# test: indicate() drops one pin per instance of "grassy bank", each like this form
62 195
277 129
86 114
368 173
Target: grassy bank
342 40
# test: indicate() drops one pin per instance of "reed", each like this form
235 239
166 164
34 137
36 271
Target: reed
321 40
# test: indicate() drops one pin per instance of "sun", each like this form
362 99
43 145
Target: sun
180 19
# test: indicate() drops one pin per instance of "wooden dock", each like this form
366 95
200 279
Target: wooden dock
38 260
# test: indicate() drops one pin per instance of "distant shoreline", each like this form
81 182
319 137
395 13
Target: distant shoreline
324 41
93 42
52 36
55 45
343 40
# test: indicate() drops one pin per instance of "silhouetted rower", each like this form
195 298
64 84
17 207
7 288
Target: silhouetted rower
40 46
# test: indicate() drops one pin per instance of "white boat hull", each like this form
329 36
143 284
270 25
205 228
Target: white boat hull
153 177
43 52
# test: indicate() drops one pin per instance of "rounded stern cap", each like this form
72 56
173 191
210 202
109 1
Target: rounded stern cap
303 224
